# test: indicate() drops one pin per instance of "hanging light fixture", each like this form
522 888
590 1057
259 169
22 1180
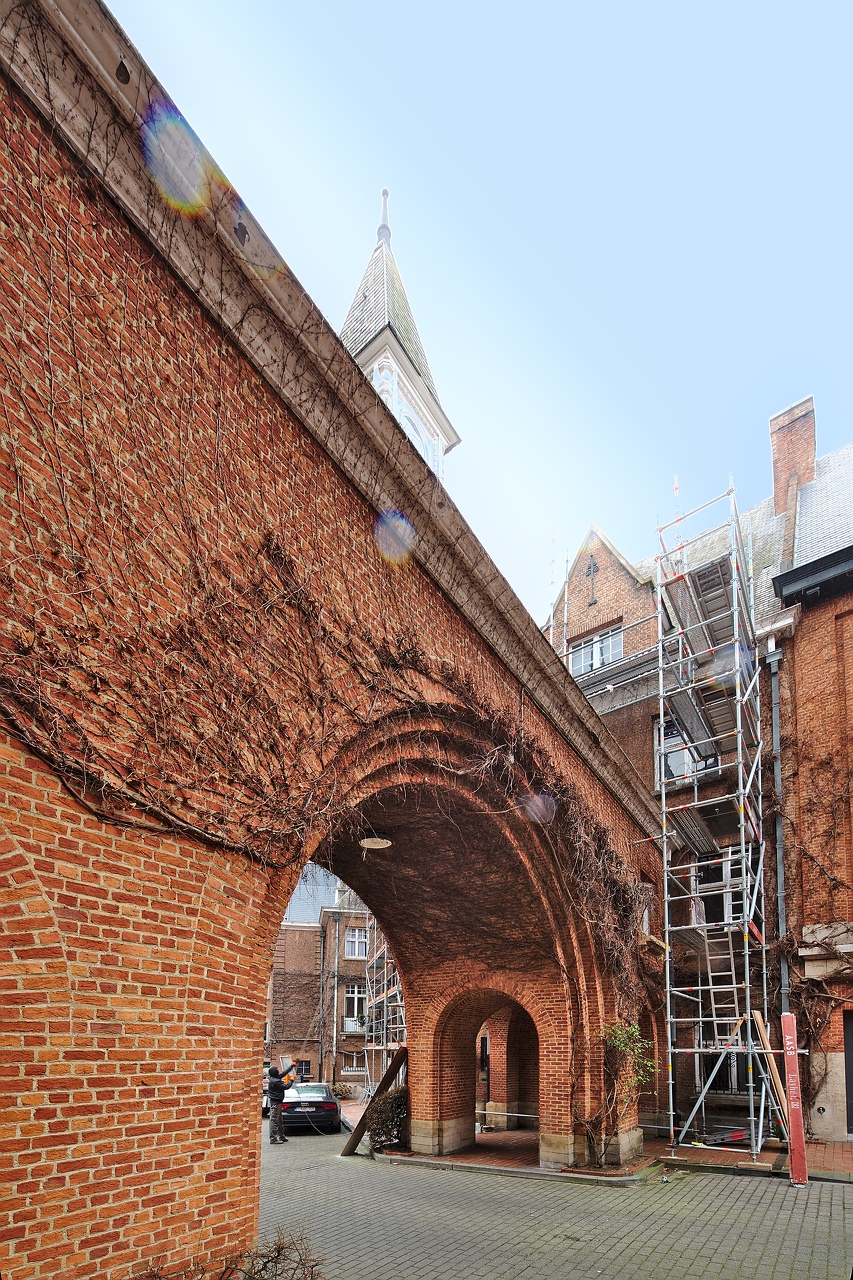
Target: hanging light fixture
375 840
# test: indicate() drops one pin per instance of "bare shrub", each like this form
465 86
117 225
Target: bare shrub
285 1257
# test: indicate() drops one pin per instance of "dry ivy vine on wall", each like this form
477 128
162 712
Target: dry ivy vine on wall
183 638
820 834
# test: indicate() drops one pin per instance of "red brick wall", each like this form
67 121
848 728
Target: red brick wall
816 684
295 1024
133 994
527 1056
200 634
634 729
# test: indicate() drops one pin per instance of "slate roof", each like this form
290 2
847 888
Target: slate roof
380 302
315 890
825 516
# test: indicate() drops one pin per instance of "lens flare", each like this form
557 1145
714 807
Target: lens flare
176 161
540 808
393 535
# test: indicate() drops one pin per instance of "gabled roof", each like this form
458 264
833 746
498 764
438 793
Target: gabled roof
642 578
381 303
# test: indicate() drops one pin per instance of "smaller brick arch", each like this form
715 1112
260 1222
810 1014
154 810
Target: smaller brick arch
442 1044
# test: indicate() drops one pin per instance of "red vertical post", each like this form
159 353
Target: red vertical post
796 1132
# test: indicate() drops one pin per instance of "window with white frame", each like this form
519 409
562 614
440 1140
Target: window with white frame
355 944
355 1006
353 1061
595 651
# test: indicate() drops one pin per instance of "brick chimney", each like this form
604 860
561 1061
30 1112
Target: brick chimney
792 446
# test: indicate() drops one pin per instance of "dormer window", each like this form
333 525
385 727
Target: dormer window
595 651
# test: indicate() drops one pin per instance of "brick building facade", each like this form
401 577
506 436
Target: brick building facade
604 626
318 996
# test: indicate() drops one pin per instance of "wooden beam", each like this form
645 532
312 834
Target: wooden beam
394 1068
774 1070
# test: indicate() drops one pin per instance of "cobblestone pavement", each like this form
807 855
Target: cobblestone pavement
369 1220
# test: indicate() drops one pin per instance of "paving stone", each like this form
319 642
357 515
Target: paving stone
375 1221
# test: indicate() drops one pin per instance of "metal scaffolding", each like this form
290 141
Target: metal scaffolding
709 776
385 1030
695 658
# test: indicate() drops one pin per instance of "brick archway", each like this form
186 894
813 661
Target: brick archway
514 1070
210 673
471 892
443 1113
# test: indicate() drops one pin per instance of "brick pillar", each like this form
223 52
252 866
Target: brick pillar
503 1072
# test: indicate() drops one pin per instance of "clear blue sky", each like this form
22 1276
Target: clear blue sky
624 229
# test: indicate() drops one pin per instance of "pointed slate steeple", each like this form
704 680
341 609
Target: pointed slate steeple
381 335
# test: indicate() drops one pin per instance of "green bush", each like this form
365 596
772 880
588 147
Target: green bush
285 1257
388 1118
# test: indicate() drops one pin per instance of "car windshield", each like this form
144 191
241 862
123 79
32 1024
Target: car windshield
310 1090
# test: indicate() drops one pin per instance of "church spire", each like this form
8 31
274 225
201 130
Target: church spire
381 335
383 231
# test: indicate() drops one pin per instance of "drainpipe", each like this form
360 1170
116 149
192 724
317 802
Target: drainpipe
774 657
335 999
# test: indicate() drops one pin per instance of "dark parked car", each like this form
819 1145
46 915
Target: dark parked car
312 1106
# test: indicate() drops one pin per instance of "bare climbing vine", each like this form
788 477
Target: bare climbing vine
818 828
187 638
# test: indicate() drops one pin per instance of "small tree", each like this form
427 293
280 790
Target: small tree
627 1067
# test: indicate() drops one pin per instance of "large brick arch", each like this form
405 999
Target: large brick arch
470 880
209 672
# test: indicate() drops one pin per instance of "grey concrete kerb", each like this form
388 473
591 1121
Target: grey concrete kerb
550 1175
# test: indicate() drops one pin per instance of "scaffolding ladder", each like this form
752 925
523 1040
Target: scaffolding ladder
709 777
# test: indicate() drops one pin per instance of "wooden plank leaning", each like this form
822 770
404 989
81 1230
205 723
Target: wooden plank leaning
394 1068
778 1087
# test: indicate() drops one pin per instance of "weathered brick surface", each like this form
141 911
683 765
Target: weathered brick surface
816 685
200 634
303 1007
295 1013
792 442
134 977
